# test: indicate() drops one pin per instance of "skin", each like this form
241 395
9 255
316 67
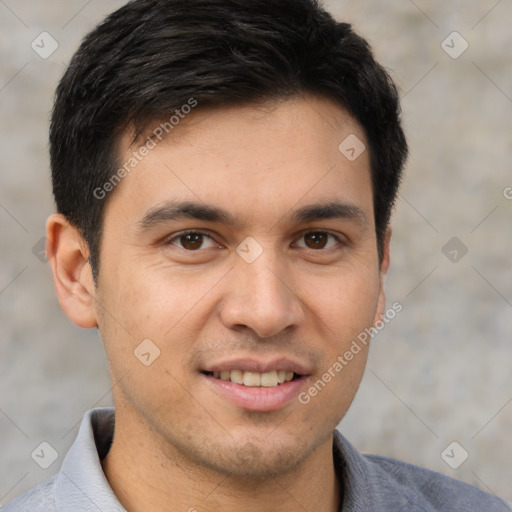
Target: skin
178 444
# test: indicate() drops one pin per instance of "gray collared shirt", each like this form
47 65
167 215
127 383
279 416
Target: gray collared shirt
371 483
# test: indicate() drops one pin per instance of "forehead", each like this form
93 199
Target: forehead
256 162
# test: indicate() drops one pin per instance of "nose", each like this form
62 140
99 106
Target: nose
261 296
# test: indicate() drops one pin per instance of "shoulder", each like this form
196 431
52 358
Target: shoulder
428 490
376 483
38 499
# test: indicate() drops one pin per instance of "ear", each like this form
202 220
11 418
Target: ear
68 254
384 267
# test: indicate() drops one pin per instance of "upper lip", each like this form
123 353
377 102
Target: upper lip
259 365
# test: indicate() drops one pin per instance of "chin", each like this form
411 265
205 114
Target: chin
254 461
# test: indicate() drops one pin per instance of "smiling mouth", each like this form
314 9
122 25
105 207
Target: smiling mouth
255 379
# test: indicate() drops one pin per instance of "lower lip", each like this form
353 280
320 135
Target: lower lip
258 399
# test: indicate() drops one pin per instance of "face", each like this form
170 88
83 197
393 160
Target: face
243 251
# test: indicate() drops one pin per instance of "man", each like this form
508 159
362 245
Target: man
224 173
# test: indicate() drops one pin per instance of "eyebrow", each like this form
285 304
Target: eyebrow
179 210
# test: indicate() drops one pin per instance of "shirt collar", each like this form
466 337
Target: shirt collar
81 485
352 471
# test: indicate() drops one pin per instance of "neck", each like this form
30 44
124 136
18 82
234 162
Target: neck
146 477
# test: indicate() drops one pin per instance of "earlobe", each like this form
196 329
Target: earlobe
385 260
384 267
68 255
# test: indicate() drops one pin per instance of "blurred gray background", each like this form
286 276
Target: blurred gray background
440 372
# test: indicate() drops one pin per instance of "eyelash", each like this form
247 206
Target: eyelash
199 232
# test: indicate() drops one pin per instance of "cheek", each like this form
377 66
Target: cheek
156 304
150 302
346 303
148 329
329 395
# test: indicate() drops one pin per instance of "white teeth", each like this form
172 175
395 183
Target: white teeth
237 377
254 379
269 379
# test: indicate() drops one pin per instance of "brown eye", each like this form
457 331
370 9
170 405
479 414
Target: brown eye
318 240
190 241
